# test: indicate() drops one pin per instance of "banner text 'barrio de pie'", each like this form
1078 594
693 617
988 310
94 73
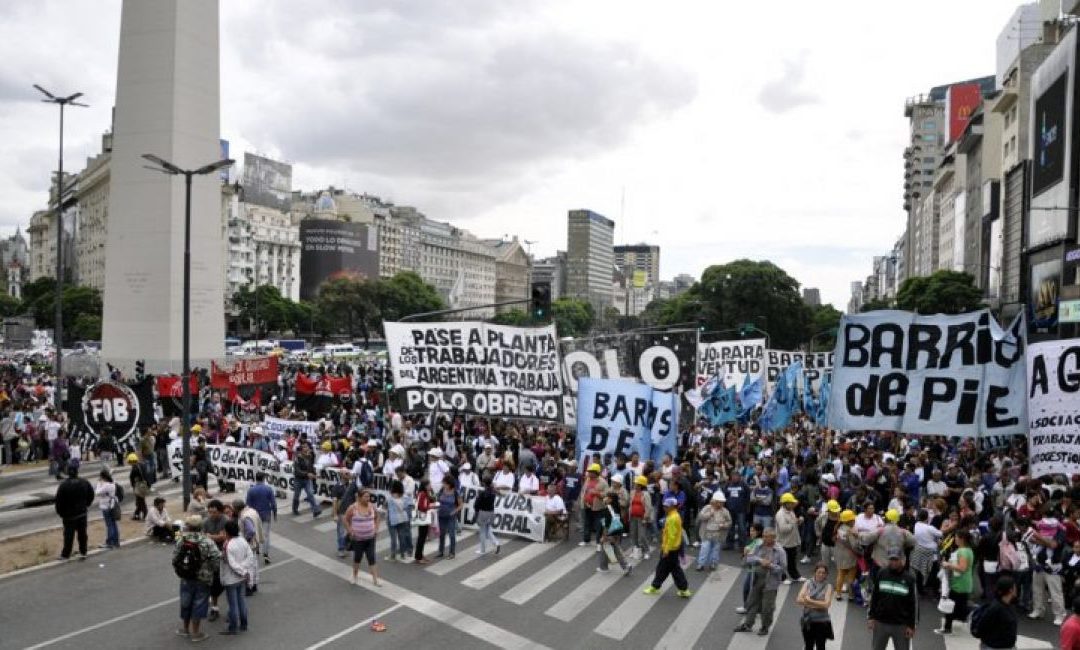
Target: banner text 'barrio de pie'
959 375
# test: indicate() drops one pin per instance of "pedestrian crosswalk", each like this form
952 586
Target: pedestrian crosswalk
555 588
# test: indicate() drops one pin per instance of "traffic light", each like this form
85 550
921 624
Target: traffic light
541 300
140 370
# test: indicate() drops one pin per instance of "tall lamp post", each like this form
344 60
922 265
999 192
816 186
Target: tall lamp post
58 328
166 167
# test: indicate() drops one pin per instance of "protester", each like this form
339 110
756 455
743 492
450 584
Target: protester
109 505
592 504
670 544
428 517
362 521
961 567
214 527
766 564
399 508
894 603
261 497
641 512
235 575
304 475
787 535
449 505
74 496
140 486
611 538
713 524
484 506
815 597
997 622
158 524
195 561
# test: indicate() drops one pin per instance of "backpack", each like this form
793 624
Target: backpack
119 493
976 619
188 560
367 475
1008 556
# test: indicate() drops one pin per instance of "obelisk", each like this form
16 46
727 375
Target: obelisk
167 104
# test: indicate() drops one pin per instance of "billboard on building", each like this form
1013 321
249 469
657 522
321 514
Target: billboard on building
640 278
267 182
961 100
335 249
1048 163
1045 287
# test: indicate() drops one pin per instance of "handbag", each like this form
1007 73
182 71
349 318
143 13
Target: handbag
616 527
142 489
946 605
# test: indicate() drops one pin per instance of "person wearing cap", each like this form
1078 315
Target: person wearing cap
195 593
140 485
825 529
787 535
894 603
616 485
887 537
259 440
592 503
766 564
713 524
395 460
437 466
640 512
671 543
485 461
326 459
846 554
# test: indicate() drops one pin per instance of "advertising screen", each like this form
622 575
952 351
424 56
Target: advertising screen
267 182
1048 165
333 249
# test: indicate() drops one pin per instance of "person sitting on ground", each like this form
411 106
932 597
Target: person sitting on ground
158 524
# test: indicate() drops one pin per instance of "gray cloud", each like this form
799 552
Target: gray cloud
784 94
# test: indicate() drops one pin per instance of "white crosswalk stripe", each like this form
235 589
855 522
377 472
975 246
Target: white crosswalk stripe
586 593
504 566
751 641
534 585
620 621
687 628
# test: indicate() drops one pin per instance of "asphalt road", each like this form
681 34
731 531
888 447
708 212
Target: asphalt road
530 595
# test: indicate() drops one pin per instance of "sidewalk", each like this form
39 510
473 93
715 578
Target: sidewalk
44 493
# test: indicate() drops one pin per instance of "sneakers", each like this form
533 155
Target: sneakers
742 627
763 632
650 591
800 579
740 610
1035 615
1058 620
804 560
599 547
684 593
601 569
646 556
942 630
696 544
582 543
787 581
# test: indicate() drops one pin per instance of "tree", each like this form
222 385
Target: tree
87 327
406 293
876 304
572 316
944 292
31 291
513 317
351 303
9 306
76 301
824 319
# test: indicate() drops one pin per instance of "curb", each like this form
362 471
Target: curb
54 562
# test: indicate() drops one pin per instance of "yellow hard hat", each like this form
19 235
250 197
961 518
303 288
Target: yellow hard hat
642 481
326 446
132 458
196 428
892 516
788 497
833 505
846 516
595 467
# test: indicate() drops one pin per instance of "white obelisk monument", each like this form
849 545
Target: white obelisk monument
167 104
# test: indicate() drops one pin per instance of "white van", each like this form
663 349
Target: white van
337 351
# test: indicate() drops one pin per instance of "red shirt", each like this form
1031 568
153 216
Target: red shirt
1070 633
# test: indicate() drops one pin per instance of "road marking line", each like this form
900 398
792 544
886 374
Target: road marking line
586 594
838 612
619 622
502 568
532 586
96 626
751 641
428 607
685 631
464 556
349 630
326 526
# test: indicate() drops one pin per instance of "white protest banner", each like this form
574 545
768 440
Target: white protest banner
240 465
275 428
732 361
1054 407
957 375
815 366
619 416
476 368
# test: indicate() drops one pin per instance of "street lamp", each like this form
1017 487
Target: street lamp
166 167
59 323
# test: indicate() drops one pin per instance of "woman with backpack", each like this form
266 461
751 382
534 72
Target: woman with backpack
484 505
612 531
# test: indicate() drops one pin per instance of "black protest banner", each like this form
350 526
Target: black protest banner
112 409
939 375
476 369
664 360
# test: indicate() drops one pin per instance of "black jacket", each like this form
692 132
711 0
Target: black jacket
485 501
73 497
997 627
894 599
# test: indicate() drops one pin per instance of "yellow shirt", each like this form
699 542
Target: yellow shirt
672 538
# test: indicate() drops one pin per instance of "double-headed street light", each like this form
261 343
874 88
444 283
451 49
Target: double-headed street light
58 327
166 167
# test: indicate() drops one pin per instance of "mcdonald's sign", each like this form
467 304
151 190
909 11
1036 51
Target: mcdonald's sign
961 100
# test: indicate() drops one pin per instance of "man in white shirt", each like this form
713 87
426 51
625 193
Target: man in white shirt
395 460
467 478
935 487
408 482
437 468
867 521
529 483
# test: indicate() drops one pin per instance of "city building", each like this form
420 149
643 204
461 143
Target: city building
980 144
511 273
553 271
590 257
856 302
262 246
811 296
639 261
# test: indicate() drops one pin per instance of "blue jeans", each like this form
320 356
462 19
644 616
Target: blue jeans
342 537
737 533
766 521
709 553
746 586
305 485
194 600
112 531
447 525
237 606
400 540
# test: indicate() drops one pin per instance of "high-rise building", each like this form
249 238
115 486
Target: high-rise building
856 302
262 246
590 258
811 296
511 273
640 262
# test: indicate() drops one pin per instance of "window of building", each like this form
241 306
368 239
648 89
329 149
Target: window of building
929 124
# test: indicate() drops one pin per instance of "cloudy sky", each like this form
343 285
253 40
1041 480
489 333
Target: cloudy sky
768 130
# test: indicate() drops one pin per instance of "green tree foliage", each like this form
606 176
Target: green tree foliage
404 294
944 292
267 309
77 301
87 327
359 306
514 317
572 316
877 304
824 320
10 306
